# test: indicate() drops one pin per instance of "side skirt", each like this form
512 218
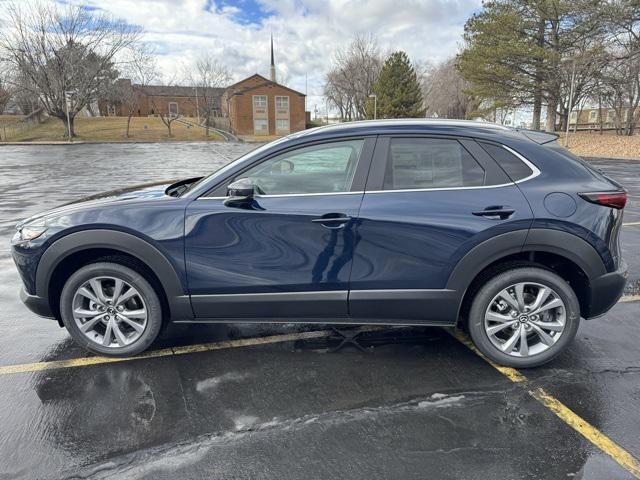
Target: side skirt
325 321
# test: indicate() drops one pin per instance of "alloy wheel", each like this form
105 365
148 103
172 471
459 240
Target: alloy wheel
525 319
109 311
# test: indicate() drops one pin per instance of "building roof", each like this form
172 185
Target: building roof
176 91
263 81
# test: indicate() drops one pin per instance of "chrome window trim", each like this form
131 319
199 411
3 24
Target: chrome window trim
290 195
534 169
535 172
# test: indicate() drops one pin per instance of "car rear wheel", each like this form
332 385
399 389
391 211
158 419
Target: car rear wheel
524 317
111 309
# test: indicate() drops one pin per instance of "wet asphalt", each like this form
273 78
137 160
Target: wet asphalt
416 404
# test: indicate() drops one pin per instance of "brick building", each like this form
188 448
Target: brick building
164 99
260 107
255 106
589 118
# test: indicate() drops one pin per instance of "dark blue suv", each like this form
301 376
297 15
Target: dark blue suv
409 222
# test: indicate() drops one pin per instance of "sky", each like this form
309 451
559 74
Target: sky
306 33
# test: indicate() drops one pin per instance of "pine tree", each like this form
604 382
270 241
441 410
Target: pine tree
397 90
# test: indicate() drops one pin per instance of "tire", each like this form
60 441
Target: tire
139 301
493 337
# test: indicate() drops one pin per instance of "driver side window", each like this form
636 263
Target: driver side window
325 168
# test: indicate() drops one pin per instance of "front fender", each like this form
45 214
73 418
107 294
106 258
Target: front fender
172 284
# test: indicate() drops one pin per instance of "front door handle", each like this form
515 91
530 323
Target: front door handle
332 220
495 213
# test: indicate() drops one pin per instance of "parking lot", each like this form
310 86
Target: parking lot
224 402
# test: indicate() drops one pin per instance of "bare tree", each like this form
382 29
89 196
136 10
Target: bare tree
445 92
350 80
66 55
139 69
167 117
207 79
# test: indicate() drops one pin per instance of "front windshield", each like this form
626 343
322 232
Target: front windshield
230 165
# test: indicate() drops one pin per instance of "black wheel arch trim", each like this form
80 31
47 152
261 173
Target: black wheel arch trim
558 242
174 289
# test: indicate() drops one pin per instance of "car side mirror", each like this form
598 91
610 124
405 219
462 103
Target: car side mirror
240 193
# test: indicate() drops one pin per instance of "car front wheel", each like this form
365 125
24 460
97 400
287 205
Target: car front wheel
524 317
111 309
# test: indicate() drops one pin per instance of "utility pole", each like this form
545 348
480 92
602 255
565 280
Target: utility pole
326 108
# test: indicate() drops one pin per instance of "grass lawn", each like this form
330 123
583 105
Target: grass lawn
6 119
592 144
111 129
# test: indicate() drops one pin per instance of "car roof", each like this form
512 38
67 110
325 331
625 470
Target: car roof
395 125
465 128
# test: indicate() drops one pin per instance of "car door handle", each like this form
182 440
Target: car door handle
501 213
332 220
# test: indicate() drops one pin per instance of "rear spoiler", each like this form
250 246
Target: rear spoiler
539 137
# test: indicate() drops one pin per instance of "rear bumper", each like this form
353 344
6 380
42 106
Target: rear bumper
606 290
38 305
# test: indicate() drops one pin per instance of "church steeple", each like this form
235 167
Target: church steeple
272 69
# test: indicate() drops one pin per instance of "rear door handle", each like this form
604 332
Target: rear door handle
501 213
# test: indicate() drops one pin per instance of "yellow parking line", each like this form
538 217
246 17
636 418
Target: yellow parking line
202 347
564 413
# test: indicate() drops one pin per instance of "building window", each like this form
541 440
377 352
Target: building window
260 101
173 109
260 126
282 125
593 116
282 102
573 117
611 114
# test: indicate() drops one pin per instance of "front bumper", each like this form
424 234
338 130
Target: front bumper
38 305
606 290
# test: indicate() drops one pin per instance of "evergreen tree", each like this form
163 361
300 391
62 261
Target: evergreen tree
514 51
397 90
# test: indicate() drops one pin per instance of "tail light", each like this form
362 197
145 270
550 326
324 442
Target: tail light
608 199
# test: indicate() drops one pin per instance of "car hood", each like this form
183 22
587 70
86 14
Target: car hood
141 192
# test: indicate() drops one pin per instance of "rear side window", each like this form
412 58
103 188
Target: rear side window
515 168
415 163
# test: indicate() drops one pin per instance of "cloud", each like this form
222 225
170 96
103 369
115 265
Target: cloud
306 33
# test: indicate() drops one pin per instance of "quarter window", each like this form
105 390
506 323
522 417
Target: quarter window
515 168
326 168
416 163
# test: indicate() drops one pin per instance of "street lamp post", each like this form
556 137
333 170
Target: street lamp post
66 103
375 105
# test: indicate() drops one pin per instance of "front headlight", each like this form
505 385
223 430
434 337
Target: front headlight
30 231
